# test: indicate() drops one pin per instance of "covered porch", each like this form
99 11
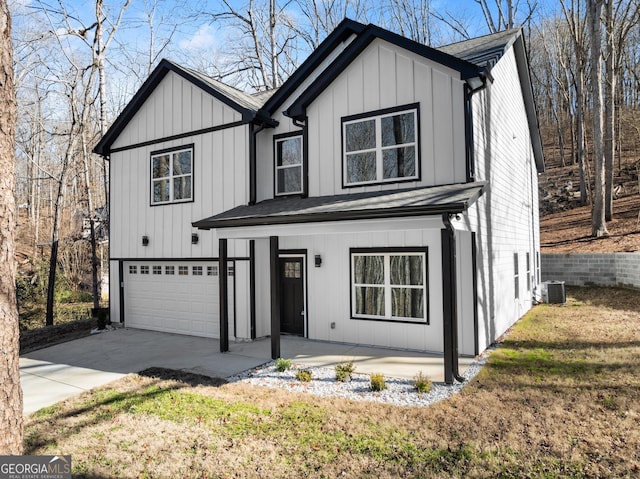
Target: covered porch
325 233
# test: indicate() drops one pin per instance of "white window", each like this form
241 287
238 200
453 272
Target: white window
144 270
171 176
380 148
170 270
183 270
133 269
212 271
389 285
196 271
289 158
157 269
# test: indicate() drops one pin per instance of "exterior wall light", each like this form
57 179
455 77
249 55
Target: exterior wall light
194 238
318 260
145 241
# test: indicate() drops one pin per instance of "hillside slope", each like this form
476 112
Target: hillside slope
565 226
570 231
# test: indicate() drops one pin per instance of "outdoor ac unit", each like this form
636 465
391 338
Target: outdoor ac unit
555 292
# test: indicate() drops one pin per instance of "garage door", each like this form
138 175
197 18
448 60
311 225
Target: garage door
175 297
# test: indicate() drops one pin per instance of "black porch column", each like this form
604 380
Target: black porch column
224 305
275 297
121 291
449 301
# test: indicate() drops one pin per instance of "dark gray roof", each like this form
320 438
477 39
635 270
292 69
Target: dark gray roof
485 50
356 206
250 102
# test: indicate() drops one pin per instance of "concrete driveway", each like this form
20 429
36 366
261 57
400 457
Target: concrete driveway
52 374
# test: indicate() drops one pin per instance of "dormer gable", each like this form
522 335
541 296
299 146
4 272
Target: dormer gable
473 74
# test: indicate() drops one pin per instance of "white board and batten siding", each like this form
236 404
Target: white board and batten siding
329 286
176 107
382 76
385 76
506 225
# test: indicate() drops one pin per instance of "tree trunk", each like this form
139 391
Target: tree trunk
10 389
609 112
580 150
598 221
57 215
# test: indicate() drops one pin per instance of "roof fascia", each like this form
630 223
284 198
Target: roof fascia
522 64
144 92
452 208
379 213
369 34
345 29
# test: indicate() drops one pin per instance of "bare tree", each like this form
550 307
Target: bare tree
10 391
322 16
503 14
598 221
620 17
264 49
574 16
413 19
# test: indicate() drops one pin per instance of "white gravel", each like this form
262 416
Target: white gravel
399 392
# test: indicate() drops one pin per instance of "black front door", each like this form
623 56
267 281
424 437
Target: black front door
292 299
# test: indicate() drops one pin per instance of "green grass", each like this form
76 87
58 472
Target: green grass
558 399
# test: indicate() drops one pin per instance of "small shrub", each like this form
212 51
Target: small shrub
377 382
422 383
283 364
344 371
303 375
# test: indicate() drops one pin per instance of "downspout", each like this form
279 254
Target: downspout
253 132
302 123
450 302
468 122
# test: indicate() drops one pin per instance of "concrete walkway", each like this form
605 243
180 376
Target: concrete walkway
52 374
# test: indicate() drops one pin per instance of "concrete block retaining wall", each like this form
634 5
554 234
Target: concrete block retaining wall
603 269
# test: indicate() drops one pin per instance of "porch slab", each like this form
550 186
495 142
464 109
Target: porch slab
366 359
52 374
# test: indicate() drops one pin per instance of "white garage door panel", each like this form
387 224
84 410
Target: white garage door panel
174 303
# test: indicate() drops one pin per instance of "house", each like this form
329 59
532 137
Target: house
385 195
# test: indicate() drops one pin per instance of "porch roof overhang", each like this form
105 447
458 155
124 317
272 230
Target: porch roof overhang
432 200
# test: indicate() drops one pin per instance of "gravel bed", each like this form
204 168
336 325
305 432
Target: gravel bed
399 392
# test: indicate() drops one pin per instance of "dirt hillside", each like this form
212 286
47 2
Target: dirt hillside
565 226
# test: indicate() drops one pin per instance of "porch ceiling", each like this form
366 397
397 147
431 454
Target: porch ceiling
431 200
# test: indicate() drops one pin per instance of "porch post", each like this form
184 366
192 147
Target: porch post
222 284
275 297
121 291
449 301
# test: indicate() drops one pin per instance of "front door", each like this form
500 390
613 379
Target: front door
292 295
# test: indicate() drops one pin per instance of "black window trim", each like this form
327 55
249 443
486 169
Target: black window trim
516 275
305 164
190 146
376 113
390 250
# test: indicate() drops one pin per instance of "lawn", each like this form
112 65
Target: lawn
559 398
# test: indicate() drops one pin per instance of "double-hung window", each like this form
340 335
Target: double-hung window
381 147
289 160
389 284
172 176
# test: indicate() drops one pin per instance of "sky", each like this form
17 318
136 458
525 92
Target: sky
199 34
195 41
